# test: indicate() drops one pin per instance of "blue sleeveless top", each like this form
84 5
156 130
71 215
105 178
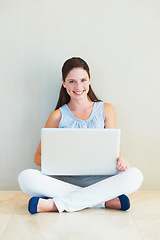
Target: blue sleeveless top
96 119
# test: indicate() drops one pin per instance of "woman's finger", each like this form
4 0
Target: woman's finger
123 165
119 161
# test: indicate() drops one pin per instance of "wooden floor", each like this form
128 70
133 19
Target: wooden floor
142 221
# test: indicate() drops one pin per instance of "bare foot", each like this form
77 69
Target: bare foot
113 203
46 205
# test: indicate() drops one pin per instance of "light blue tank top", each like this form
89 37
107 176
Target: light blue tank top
96 119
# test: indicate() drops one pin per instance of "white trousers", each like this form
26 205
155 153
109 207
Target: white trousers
70 197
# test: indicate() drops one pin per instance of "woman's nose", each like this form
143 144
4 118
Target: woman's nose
78 85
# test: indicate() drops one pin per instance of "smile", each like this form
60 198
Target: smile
78 92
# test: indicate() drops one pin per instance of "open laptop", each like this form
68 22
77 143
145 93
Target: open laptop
67 151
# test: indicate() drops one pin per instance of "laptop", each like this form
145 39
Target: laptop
70 151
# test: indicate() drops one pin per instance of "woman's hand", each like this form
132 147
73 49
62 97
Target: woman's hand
122 164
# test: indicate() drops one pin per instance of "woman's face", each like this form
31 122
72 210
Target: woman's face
77 83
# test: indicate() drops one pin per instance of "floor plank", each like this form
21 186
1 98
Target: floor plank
8 202
146 214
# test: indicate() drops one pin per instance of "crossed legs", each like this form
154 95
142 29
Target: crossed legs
69 197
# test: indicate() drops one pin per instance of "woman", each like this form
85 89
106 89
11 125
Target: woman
78 107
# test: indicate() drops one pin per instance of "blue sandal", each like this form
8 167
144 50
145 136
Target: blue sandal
32 205
125 203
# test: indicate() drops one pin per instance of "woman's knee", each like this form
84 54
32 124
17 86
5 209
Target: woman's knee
135 177
26 178
24 175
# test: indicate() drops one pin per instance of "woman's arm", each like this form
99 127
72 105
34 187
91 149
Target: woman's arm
109 113
110 122
52 122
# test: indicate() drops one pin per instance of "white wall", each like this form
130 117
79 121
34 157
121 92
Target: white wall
120 40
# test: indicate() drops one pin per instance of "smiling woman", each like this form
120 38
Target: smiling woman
77 83
69 70
78 107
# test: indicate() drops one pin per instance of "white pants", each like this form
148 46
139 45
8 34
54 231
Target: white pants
70 197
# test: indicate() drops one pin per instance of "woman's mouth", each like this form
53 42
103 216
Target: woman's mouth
78 92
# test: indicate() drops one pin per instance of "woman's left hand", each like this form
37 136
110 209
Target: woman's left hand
122 164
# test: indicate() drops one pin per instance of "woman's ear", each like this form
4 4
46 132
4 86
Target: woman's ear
63 83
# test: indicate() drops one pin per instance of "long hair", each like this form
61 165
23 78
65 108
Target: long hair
71 63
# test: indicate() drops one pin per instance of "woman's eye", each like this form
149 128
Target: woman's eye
71 81
83 80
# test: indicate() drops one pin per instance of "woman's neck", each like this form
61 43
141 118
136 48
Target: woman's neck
80 105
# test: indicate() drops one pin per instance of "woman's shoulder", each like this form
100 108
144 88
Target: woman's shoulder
54 119
56 114
108 107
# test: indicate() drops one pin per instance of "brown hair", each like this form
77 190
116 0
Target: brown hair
71 63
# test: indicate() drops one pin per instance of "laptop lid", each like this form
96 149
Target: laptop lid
79 151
